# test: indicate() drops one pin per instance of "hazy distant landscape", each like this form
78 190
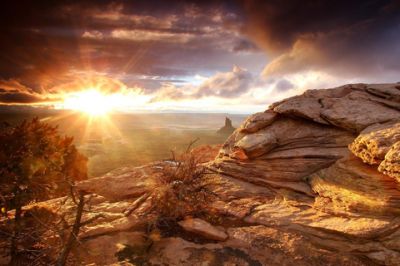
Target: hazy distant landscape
130 139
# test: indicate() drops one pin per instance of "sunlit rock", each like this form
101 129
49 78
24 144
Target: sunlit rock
374 142
309 108
355 187
258 121
203 228
357 114
391 164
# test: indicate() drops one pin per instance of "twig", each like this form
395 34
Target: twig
136 204
191 144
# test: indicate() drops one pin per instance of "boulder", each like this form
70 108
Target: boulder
203 228
258 121
299 106
257 144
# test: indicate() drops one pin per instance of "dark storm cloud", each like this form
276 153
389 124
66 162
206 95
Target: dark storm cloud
351 38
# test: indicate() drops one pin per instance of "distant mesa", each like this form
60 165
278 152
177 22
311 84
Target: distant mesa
228 128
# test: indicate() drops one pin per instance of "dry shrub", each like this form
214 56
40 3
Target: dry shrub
180 191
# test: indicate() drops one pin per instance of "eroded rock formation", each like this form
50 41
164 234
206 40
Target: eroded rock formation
330 159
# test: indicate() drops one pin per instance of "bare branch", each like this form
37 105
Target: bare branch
136 204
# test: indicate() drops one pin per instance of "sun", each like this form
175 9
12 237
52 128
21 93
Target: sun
91 101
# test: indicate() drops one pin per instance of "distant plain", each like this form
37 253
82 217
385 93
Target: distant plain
131 139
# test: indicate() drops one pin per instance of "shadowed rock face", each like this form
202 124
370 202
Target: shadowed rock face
313 180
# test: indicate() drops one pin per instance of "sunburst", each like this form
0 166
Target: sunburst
91 102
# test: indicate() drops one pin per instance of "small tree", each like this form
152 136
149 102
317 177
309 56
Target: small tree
36 164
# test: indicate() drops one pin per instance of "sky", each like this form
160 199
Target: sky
193 56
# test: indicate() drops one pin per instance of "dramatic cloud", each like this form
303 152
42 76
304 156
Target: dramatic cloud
223 84
12 92
43 43
184 50
355 38
226 85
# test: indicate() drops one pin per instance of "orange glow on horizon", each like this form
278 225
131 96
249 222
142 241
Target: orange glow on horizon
92 102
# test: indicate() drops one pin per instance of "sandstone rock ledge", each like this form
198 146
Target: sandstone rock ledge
313 180
330 161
